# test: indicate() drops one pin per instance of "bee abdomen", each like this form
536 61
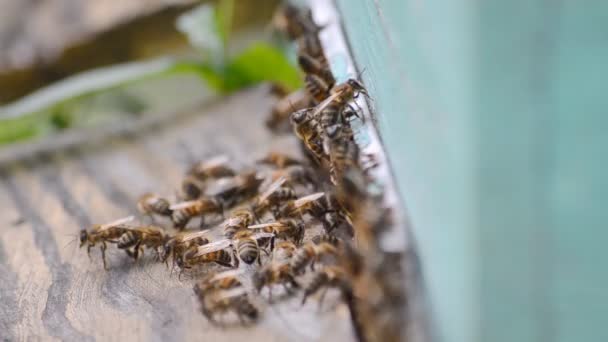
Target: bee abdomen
224 258
128 239
180 218
248 251
161 206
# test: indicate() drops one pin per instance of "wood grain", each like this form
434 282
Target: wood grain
49 289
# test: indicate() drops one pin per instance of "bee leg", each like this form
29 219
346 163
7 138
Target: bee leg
89 251
103 255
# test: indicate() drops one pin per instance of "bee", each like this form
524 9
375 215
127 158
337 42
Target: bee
297 175
177 245
245 243
294 21
273 196
192 187
312 204
279 160
331 109
199 256
274 273
240 220
281 110
150 203
316 87
329 276
343 154
285 229
103 234
184 211
235 299
306 128
218 281
232 190
283 251
138 237
212 168
312 252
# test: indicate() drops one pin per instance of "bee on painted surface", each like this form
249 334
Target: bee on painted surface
177 245
312 252
329 276
245 245
284 229
273 274
239 220
150 204
233 300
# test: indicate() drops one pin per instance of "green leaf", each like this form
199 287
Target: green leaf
258 63
213 76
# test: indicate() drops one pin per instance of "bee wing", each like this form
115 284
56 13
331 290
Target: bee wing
117 222
226 274
307 199
264 225
194 235
319 108
222 185
262 235
272 188
216 161
239 291
212 247
182 205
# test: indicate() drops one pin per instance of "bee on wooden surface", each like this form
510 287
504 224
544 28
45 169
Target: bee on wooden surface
285 229
220 302
183 212
279 160
233 190
139 237
213 168
102 234
239 220
218 281
194 257
245 243
274 273
329 276
312 252
281 110
273 196
297 175
283 251
150 203
177 245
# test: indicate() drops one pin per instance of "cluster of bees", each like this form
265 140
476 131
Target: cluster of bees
283 222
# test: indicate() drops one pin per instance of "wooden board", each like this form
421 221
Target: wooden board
50 290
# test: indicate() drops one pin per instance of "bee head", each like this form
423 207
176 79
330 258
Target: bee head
299 116
357 86
84 235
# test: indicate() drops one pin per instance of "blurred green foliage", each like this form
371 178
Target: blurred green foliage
208 29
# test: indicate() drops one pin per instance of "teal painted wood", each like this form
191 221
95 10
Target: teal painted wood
493 114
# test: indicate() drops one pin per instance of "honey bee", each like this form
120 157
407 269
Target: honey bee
274 273
218 281
312 252
183 212
240 220
281 110
285 229
294 22
139 237
177 245
316 87
273 196
331 109
245 243
312 204
343 154
102 234
279 160
306 128
235 300
283 251
193 257
150 203
297 175
329 276
212 168
232 190
192 187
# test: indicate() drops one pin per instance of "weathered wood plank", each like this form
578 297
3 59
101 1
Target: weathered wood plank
51 291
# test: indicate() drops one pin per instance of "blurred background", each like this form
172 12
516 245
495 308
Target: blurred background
493 114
